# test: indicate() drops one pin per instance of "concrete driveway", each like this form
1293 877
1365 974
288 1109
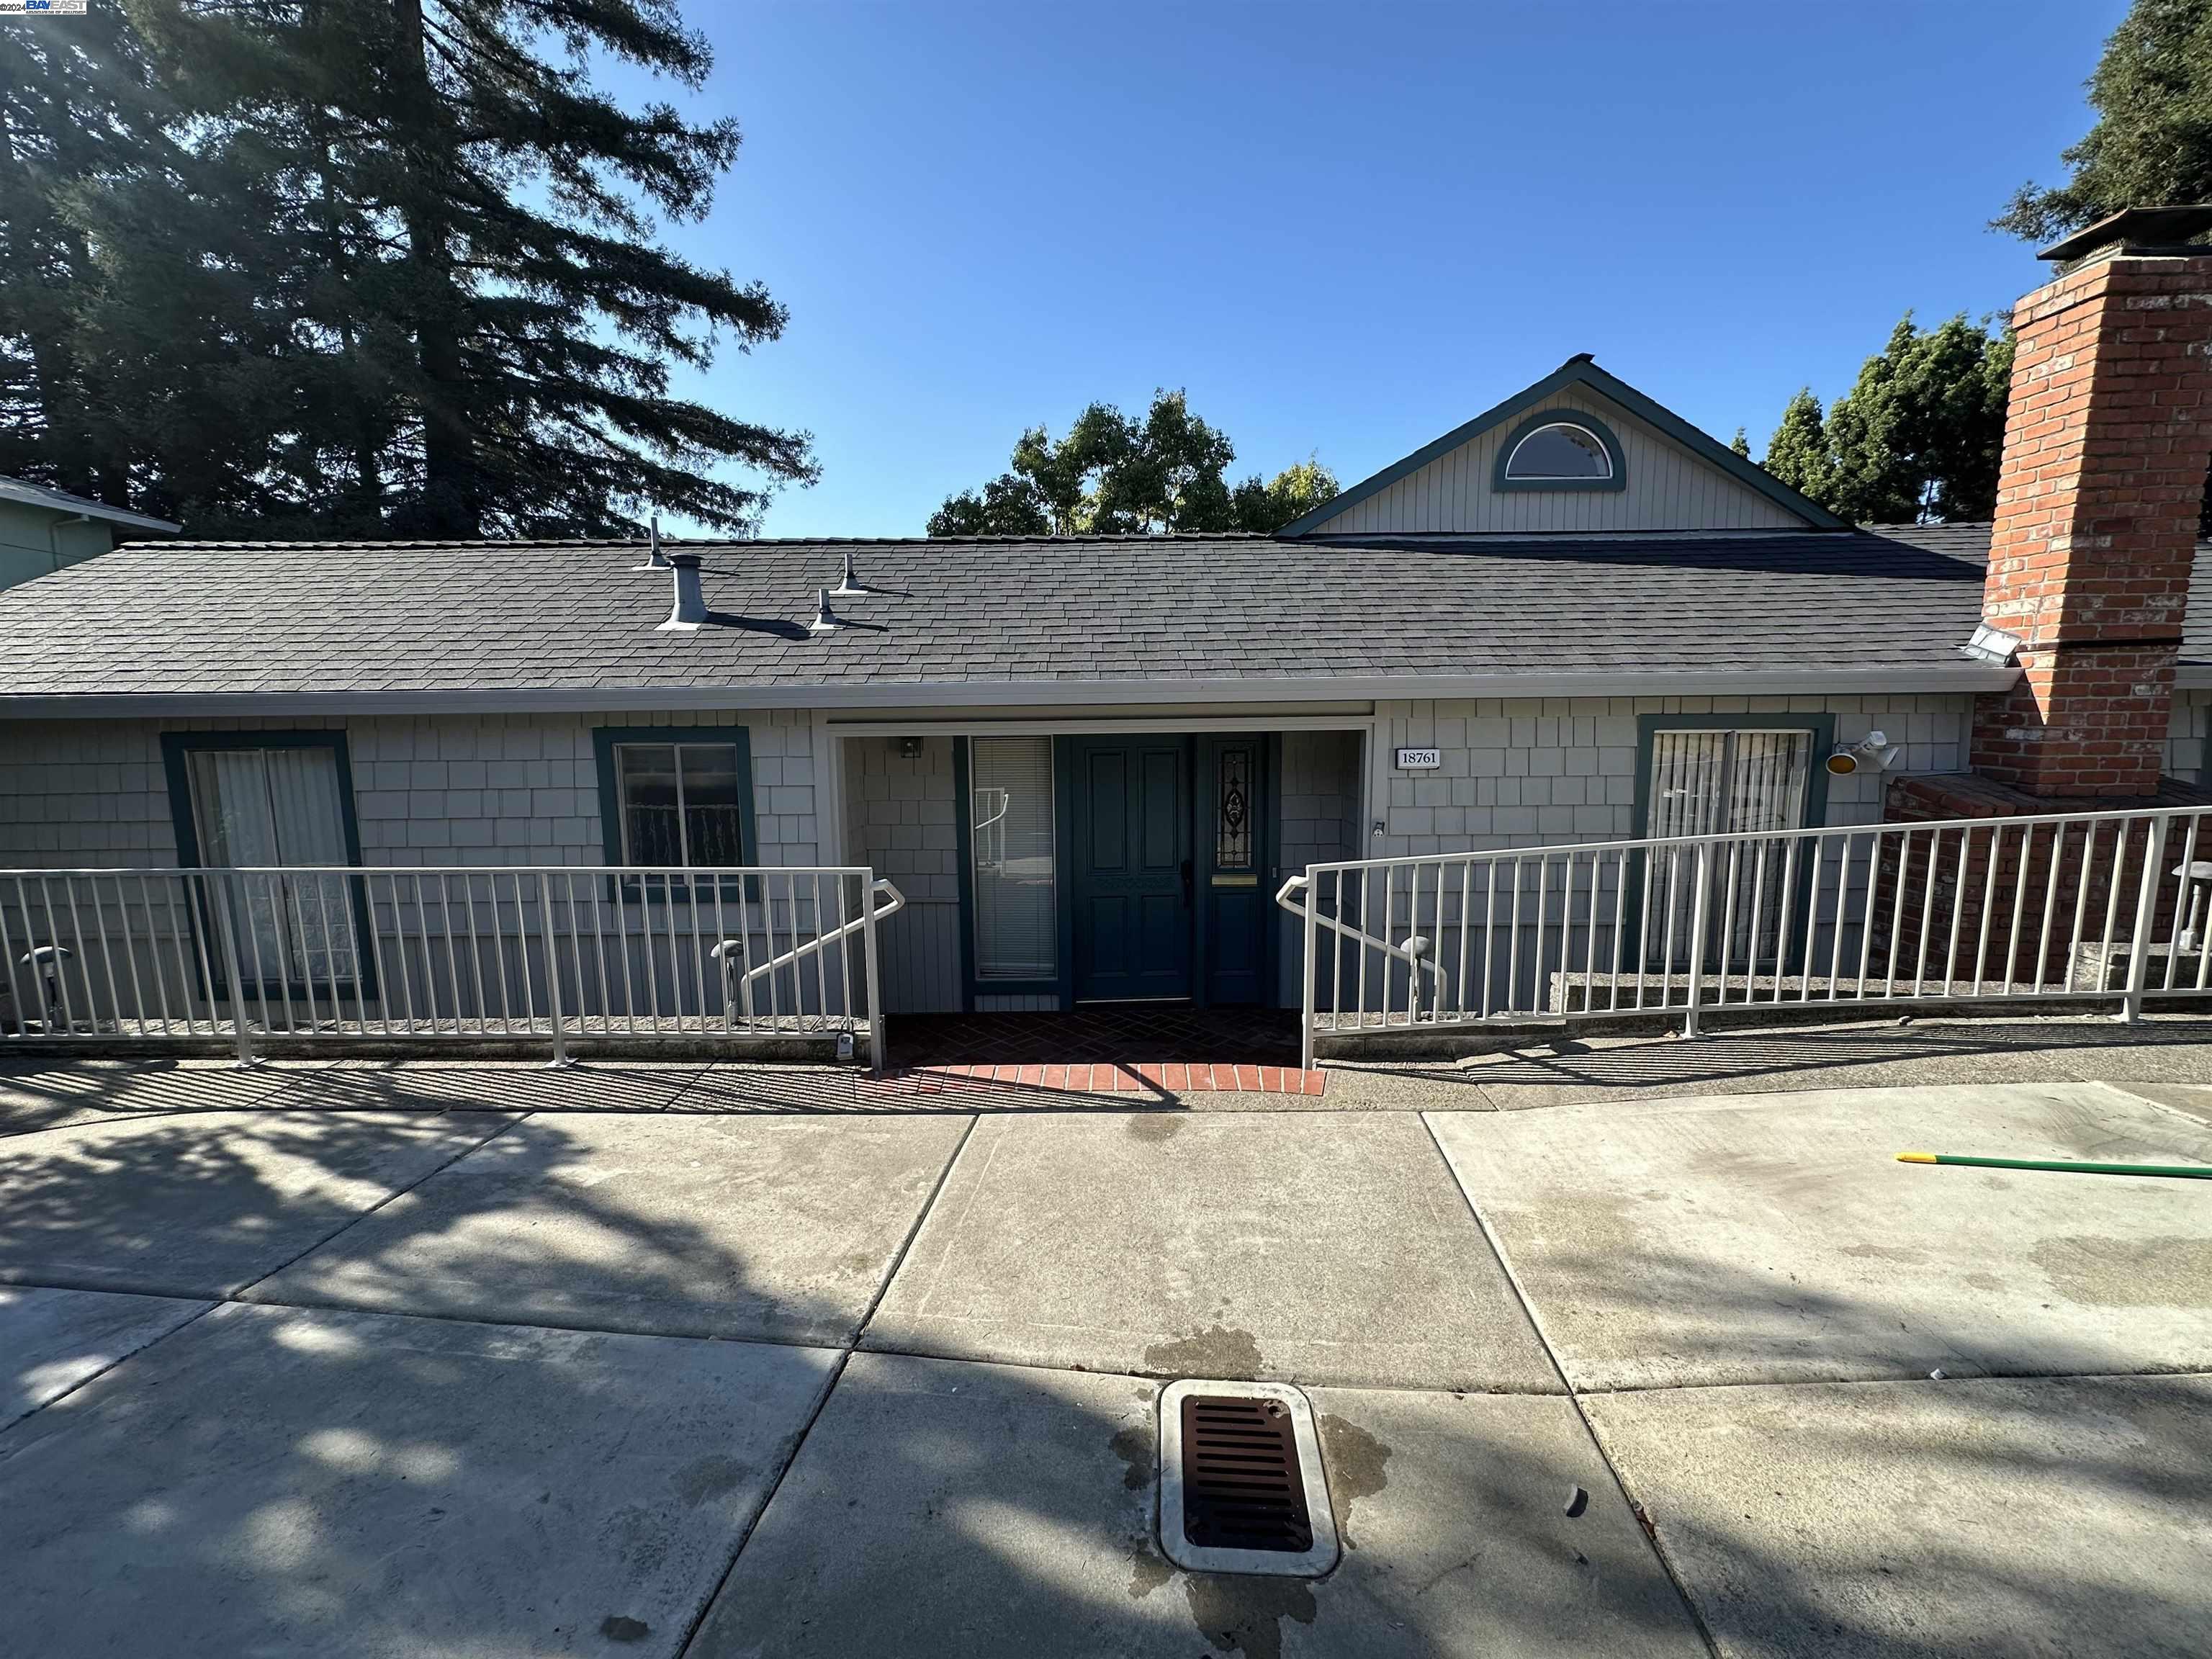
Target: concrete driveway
486 1360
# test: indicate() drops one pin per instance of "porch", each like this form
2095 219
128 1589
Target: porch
1118 862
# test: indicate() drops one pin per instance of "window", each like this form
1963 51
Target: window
1722 782
676 797
1703 780
1561 450
1011 850
261 799
1233 844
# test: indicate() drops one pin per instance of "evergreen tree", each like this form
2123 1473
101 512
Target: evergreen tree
1740 445
1918 436
395 272
77 102
2151 141
1114 475
1797 452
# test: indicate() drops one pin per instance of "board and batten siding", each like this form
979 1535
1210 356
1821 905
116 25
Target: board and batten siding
512 789
1668 488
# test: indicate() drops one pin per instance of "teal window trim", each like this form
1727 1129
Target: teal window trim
605 740
177 749
1815 816
1537 422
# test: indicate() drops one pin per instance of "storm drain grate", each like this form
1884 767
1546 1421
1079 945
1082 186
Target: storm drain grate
1241 1482
1241 1489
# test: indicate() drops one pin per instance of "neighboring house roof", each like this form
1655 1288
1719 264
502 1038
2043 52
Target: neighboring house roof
421 626
60 501
1578 371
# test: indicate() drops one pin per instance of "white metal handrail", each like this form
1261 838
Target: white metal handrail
2077 905
740 974
327 954
1413 952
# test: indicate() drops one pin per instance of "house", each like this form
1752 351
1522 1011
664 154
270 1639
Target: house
1087 762
43 530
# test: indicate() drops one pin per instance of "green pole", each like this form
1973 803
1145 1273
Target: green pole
2198 1172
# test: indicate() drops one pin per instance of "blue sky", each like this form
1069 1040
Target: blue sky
1346 228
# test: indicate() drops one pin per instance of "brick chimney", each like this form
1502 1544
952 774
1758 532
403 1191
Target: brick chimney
2108 441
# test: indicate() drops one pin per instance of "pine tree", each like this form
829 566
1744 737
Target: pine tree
77 103
406 279
2151 141
1918 436
1797 452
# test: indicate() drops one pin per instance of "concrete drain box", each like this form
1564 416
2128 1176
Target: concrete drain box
1241 1488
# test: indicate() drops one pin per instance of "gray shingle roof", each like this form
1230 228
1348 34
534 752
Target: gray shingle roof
383 617
1970 544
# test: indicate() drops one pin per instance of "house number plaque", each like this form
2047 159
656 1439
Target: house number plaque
1420 760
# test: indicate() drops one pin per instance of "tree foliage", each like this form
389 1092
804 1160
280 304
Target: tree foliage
77 104
2151 141
1113 474
389 266
1917 437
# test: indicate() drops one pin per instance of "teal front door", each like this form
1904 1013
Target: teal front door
1132 876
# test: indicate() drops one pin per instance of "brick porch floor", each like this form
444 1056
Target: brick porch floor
1124 1048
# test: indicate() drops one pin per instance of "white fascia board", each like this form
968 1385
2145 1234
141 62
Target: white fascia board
1965 677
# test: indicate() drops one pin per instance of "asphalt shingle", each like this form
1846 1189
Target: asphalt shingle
305 617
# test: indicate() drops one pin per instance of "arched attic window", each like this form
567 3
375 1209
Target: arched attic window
1561 449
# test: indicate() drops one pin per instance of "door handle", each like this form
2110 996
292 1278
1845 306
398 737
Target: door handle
1185 883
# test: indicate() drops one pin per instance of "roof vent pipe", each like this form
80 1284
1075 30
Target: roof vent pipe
826 621
653 559
848 585
689 609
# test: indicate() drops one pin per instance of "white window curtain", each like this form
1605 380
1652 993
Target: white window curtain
276 807
1010 838
1720 783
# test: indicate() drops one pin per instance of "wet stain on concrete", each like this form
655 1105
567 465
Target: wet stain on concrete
708 1477
2127 1273
1133 1446
1354 1462
1216 1351
1240 1614
1148 1568
1154 1127
617 1628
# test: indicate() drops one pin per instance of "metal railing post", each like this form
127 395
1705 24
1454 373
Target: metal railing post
224 931
1697 939
2146 919
876 1045
1310 994
552 971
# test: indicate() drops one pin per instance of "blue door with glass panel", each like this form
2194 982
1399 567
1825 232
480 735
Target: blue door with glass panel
1133 877
1234 904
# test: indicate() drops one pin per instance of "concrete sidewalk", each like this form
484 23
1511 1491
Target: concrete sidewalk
738 1360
